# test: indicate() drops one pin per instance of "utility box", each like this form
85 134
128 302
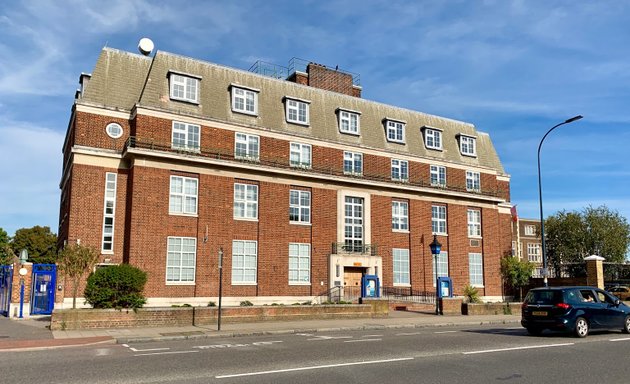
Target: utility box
445 287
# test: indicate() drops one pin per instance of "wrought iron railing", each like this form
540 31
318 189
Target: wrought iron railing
407 294
364 249
353 293
317 169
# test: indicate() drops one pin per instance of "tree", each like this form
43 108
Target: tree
40 243
516 272
6 254
572 236
75 261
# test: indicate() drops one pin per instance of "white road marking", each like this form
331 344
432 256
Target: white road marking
219 346
518 348
150 349
622 339
329 338
103 352
304 334
312 367
372 336
409 334
446 332
362 340
165 353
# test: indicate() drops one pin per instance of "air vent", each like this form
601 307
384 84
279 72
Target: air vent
475 243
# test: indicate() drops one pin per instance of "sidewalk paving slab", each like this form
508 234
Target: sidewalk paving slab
26 338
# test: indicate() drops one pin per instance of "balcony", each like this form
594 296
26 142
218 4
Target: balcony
349 248
282 163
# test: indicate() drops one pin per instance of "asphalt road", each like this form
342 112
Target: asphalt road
483 354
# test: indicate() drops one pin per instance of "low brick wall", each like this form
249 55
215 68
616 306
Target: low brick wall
183 316
491 308
451 306
112 318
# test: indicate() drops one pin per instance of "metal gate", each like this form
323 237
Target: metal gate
6 276
43 289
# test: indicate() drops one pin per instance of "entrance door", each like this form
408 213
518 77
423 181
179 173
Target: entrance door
352 282
43 290
353 230
6 276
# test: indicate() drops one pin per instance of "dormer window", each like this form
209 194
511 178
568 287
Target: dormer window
349 122
433 138
244 100
184 88
297 111
468 145
395 131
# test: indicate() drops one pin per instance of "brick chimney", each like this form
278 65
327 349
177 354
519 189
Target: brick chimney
319 76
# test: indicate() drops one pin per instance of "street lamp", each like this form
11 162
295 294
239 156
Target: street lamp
22 272
436 247
542 220
220 286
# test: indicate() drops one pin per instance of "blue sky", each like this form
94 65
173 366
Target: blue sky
512 68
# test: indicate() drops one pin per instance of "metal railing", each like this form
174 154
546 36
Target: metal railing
283 163
364 249
353 293
407 294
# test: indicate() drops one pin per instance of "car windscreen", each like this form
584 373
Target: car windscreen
544 297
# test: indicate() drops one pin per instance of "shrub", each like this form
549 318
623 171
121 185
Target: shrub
117 286
212 304
246 303
471 294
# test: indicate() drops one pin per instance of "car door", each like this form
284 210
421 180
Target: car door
612 315
594 310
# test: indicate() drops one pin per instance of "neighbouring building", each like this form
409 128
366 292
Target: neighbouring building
300 183
526 243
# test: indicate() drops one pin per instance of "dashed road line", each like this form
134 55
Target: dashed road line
361 340
312 368
517 348
165 353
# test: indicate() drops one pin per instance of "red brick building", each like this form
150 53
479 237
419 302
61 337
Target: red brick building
299 181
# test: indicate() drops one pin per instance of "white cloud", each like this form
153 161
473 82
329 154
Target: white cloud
31 157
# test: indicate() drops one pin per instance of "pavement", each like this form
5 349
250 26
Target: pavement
34 333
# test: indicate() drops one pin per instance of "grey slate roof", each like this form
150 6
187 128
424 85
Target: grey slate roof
119 77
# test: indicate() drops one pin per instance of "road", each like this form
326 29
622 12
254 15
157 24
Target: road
482 354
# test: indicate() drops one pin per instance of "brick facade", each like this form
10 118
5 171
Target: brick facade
144 161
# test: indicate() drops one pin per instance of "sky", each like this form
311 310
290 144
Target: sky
513 68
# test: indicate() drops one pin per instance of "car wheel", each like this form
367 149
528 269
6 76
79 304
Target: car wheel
534 331
581 327
626 325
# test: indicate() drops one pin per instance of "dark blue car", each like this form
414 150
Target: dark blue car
573 309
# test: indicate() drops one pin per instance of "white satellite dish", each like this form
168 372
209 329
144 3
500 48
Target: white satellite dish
145 46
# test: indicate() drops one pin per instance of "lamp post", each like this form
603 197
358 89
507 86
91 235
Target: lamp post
22 272
542 220
436 247
220 286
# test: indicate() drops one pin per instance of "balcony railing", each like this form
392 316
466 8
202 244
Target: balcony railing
364 249
283 163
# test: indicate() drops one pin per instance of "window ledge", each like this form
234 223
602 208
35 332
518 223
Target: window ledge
183 214
244 283
189 283
396 141
254 114
439 234
107 252
304 124
299 283
245 219
357 134
400 230
187 101
300 223
402 285
475 237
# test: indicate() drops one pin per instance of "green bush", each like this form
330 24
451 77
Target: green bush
212 304
246 303
471 294
117 286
